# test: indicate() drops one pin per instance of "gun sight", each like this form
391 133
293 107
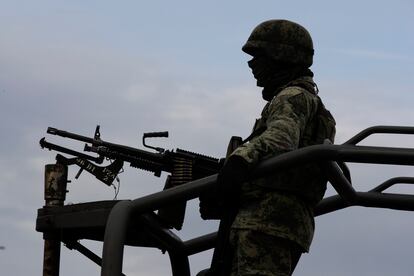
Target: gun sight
52 130
154 135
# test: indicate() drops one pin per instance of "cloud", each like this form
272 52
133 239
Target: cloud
372 54
359 104
73 81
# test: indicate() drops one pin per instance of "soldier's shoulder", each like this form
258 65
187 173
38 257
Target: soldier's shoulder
295 95
292 91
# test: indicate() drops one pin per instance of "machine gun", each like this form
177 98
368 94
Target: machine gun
183 166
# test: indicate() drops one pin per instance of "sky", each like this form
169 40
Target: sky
139 66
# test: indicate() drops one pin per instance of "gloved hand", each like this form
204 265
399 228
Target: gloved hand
233 173
231 176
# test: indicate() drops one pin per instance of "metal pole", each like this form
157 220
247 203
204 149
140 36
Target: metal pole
56 178
117 223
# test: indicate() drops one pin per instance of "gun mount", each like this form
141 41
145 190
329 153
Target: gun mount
133 222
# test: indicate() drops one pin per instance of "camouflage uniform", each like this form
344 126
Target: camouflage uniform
254 256
275 222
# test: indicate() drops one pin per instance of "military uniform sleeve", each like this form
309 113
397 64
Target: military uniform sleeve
287 116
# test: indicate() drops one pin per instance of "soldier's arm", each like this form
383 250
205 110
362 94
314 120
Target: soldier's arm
289 112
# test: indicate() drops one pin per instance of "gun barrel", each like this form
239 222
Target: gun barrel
50 146
98 142
67 134
182 165
136 157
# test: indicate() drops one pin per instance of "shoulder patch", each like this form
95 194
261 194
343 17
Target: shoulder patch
288 93
291 91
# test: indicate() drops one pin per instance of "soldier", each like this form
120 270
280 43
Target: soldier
275 221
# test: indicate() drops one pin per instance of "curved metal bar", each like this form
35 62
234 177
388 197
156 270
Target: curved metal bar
367 199
389 201
329 205
200 244
373 198
118 218
174 245
391 182
340 182
114 239
345 153
117 223
379 129
345 171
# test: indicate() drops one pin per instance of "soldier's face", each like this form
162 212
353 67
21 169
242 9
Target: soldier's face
259 65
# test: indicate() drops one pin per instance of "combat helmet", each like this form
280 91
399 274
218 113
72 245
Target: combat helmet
282 40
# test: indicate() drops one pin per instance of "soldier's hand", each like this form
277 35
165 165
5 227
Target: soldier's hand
233 173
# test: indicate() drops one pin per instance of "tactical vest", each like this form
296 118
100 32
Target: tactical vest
307 181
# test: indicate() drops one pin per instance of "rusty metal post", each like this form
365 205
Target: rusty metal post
56 179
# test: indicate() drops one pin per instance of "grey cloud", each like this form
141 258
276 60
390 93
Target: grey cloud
372 54
77 85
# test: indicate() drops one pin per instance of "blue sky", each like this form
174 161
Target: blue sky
137 66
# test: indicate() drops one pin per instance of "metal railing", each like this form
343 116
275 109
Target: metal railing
334 156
